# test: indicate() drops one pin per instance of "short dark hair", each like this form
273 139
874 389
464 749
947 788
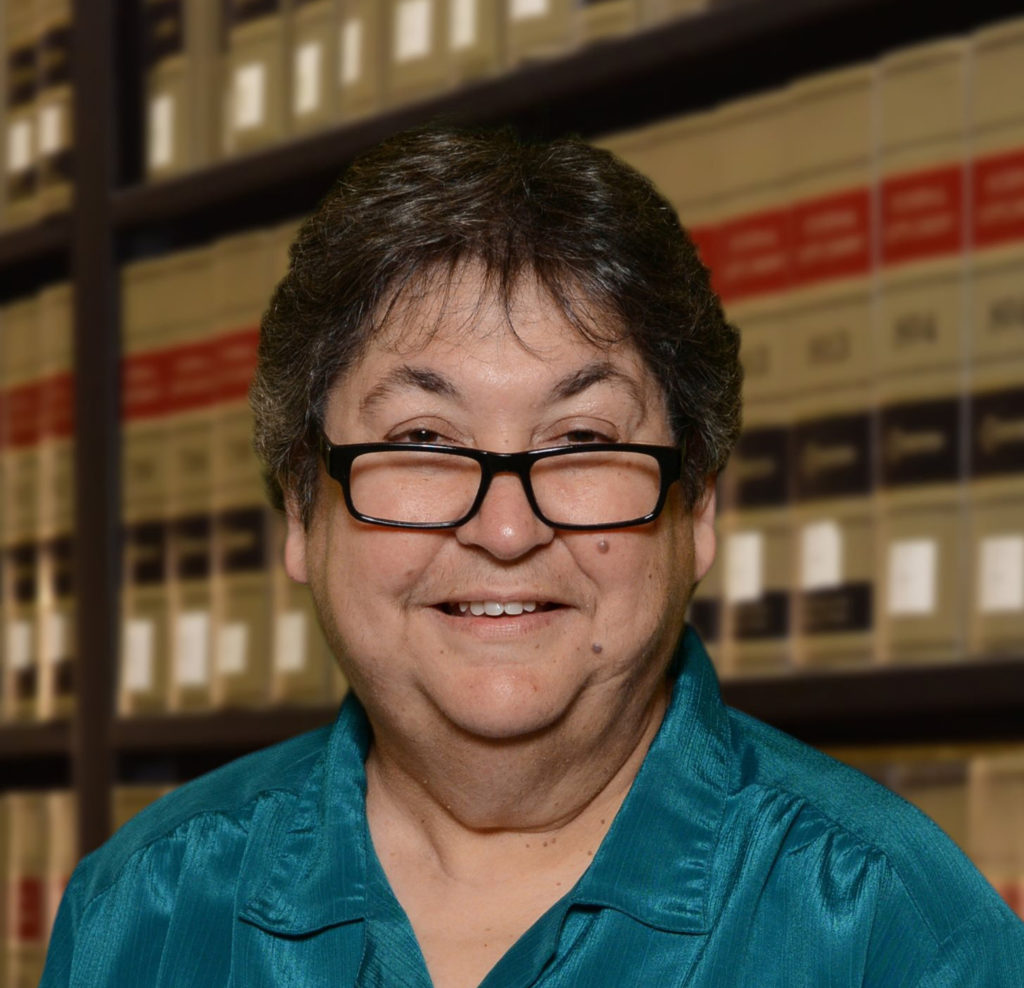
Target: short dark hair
596 235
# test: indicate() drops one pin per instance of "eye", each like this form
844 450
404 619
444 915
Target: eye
418 435
584 436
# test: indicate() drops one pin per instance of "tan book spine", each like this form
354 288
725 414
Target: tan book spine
167 69
830 367
750 271
314 54
54 125
362 37
191 400
921 345
418 49
129 799
603 19
144 679
55 624
5 882
257 76
22 413
61 849
541 29
241 579
996 823
21 162
26 889
996 553
476 39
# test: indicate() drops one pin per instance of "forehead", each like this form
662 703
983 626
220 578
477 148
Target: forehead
466 323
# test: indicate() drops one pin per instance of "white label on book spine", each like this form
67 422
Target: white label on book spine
463 24
232 648
139 638
192 651
412 29
308 67
250 91
913 567
744 562
821 555
351 51
19 644
521 10
161 130
290 642
1001 574
56 637
19 145
49 129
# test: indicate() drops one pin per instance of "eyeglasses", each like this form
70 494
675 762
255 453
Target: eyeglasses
581 488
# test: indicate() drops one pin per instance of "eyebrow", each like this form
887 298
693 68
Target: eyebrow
407 376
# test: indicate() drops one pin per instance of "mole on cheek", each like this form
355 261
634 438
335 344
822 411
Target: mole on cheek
602 545
597 648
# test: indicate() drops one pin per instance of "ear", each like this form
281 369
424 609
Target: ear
704 537
295 540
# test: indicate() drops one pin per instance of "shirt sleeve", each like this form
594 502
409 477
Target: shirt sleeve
986 951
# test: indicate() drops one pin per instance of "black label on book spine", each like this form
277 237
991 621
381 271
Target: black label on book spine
23 571
60 552
706 616
58 167
191 547
21 185
997 433
760 468
21 77
242 11
147 553
55 56
832 457
921 442
764 618
837 609
163 30
25 682
242 540
64 679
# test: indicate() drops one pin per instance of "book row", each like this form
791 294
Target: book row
865 230
38 841
220 79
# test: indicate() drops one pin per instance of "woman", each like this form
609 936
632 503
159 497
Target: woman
495 390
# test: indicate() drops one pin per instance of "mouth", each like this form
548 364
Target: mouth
496 608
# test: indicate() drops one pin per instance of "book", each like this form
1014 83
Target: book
541 29
603 19
256 73
144 666
61 810
921 347
22 414
26 932
417 50
996 823
21 171
362 36
54 125
751 274
242 278
192 383
996 385
476 39
314 56
830 366
56 609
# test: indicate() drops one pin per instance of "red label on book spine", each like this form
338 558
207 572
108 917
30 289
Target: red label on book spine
752 255
236 362
998 183
29 918
832 237
923 215
23 415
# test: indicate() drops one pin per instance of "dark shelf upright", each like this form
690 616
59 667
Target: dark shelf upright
96 355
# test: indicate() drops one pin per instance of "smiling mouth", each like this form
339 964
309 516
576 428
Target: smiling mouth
495 608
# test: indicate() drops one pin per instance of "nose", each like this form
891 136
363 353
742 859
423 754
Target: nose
505 526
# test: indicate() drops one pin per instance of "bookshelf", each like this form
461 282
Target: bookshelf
732 49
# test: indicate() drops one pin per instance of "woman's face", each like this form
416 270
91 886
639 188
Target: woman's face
609 604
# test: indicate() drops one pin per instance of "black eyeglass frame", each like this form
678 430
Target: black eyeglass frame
338 460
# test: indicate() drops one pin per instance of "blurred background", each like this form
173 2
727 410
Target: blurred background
852 172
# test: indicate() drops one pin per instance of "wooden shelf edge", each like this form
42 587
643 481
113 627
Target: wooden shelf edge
44 238
24 741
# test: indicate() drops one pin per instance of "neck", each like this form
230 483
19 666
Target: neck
470 803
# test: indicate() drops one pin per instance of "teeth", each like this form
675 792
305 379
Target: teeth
495 608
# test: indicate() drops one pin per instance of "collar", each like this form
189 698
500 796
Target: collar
654 864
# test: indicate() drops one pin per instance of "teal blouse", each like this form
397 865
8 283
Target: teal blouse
739 858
